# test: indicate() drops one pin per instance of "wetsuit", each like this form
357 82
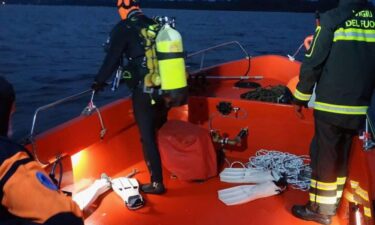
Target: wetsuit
341 64
7 98
125 41
28 196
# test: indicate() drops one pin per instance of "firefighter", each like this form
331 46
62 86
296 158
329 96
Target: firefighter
339 64
27 194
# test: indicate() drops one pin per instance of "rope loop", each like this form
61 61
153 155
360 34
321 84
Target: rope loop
295 168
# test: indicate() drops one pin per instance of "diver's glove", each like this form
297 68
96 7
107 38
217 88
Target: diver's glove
98 86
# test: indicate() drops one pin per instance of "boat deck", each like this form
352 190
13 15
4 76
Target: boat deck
184 203
271 127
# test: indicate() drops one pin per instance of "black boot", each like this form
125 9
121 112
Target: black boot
153 188
303 212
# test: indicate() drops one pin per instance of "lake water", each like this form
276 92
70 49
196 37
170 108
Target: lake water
51 52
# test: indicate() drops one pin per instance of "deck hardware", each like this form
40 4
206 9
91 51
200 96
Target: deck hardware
89 109
258 77
203 59
224 140
367 137
45 107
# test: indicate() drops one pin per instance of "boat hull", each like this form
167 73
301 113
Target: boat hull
271 127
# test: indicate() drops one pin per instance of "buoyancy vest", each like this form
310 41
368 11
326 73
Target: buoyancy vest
148 33
27 194
143 67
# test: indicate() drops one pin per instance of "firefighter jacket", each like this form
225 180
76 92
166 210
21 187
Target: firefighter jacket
340 65
28 196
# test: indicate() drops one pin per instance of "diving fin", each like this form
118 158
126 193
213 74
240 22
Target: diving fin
86 197
128 190
248 175
246 193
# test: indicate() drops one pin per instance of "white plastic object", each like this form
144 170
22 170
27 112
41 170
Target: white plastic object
86 197
128 190
246 193
246 175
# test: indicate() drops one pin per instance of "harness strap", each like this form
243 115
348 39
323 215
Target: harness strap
10 173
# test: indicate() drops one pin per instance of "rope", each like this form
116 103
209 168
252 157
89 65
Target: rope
89 109
276 94
295 168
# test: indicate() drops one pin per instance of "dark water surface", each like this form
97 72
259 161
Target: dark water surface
51 52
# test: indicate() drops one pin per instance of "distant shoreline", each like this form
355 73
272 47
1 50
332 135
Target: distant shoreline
240 6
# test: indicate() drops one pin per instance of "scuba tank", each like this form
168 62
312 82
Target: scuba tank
171 63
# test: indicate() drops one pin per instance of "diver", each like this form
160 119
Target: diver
129 40
340 64
42 203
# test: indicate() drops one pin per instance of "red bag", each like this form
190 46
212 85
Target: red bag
187 151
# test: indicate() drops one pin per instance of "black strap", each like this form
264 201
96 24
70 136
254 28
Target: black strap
10 172
172 55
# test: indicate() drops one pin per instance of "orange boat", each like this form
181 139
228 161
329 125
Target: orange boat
87 150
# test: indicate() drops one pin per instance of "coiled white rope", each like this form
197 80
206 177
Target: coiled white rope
295 168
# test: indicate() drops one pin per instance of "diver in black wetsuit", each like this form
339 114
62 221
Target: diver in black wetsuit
150 109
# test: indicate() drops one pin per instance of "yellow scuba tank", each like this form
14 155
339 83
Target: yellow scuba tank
171 64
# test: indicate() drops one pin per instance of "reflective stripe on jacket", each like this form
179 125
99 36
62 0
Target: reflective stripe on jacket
339 64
